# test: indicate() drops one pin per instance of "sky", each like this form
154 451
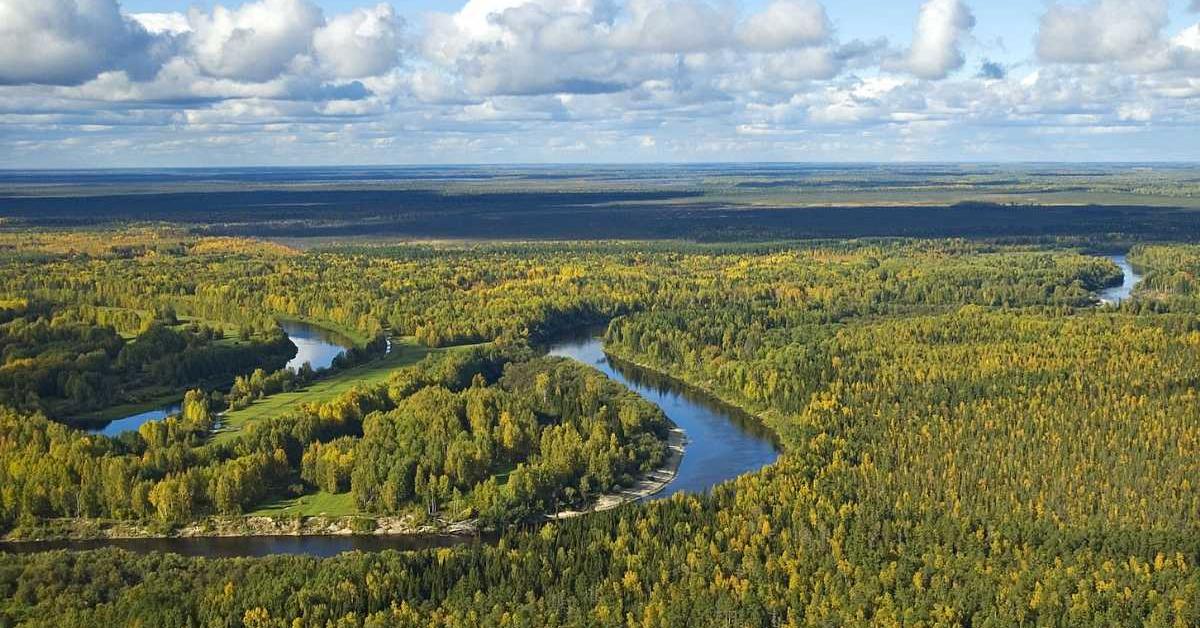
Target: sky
143 83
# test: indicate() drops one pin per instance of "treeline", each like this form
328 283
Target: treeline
55 362
450 295
439 433
1171 275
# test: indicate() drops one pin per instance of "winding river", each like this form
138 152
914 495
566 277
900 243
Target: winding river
722 443
1116 294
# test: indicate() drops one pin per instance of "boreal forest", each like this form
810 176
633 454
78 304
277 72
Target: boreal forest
966 432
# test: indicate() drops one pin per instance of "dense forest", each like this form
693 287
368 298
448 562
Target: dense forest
435 434
969 439
70 360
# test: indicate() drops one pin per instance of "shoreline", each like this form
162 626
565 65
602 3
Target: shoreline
249 526
241 527
705 391
647 485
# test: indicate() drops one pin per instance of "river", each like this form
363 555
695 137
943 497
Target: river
722 443
316 345
1116 294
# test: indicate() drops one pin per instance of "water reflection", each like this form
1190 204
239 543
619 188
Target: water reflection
722 441
316 345
134 421
1116 294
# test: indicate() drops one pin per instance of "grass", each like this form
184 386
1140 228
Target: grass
319 503
405 351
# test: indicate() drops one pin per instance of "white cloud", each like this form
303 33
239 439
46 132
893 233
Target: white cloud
163 23
531 79
67 42
936 49
676 26
1124 31
786 24
515 47
255 42
363 43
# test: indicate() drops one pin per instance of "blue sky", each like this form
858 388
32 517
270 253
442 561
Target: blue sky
142 82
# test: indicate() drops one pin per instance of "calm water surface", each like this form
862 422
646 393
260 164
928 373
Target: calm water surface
1116 294
316 345
134 421
722 443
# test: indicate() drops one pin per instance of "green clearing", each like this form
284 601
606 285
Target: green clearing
319 503
405 351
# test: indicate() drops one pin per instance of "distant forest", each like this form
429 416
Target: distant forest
633 203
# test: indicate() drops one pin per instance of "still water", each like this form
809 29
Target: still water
134 421
722 443
316 345
1116 294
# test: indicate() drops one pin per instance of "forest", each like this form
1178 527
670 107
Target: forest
436 434
968 437
69 360
702 202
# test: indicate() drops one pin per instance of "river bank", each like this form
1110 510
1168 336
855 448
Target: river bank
238 526
706 390
720 443
647 485
322 525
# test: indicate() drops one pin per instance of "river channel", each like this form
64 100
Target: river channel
722 443
1116 294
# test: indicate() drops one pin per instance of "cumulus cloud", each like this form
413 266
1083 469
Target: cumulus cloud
1123 31
67 42
520 79
786 24
529 47
676 26
363 43
163 23
255 42
936 49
